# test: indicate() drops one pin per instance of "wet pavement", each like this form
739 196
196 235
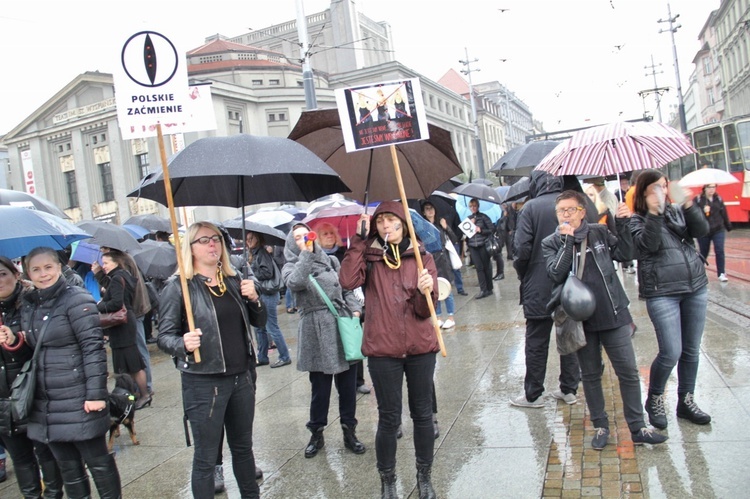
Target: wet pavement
486 448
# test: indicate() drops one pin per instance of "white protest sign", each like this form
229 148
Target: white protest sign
468 228
151 87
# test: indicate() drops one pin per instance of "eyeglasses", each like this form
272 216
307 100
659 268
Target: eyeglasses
568 211
710 187
207 239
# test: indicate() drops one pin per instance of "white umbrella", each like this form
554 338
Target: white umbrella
707 176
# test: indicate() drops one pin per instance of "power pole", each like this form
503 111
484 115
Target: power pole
672 30
656 90
304 50
477 140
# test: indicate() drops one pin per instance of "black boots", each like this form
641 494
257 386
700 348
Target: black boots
657 414
688 409
28 479
75 479
424 481
106 477
316 442
351 441
53 480
388 484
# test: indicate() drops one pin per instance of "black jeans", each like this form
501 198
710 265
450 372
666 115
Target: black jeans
387 378
538 333
81 449
212 403
346 385
482 263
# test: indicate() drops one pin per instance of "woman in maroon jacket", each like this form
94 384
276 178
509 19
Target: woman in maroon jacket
398 335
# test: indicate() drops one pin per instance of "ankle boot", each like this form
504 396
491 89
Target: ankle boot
424 482
388 484
351 441
316 442
28 479
435 428
688 409
106 477
657 414
53 480
75 479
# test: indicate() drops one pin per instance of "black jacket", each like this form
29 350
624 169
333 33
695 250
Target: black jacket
173 324
598 274
536 220
668 263
120 291
718 220
71 365
485 224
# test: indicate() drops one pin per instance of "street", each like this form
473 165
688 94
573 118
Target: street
486 448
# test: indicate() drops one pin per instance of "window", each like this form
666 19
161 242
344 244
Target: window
282 117
707 65
142 161
108 190
257 82
271 117
273 82
72 188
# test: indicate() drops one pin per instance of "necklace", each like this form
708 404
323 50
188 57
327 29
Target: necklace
397 257
222 286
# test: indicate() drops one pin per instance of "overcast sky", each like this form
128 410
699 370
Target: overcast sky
574 62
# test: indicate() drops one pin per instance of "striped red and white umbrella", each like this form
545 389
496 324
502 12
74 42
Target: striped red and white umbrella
617 148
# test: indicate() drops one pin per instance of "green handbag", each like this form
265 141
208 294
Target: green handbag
350 329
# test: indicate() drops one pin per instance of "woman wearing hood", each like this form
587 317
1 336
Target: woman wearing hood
319 348
399 338
609 326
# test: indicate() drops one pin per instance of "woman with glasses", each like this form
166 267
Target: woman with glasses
609 326
672 279
715 212
219 391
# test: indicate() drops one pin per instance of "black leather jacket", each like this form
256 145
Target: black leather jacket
668 263
173 324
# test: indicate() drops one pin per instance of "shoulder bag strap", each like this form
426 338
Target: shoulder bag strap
43 330
324 296
582 258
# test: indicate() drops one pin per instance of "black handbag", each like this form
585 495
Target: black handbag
492 244
257 313
272 285
23 387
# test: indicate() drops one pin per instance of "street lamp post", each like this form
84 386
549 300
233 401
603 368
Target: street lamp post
304 49
672 29
477 140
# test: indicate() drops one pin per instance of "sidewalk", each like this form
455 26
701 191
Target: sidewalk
486 449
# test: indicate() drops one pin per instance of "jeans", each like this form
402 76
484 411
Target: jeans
483 264
289 297
619 347
272 330
140 341
538 333
450 306
216 402
79 449
387 378
678 321
457 272
346 385
704 243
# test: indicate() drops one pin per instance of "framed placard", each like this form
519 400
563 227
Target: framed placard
382 114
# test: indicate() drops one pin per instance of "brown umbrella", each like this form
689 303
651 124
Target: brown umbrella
424 164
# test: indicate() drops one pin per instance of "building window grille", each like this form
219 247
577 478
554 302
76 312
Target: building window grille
142 161
108 189
72 188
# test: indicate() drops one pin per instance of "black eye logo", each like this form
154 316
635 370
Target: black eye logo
139 59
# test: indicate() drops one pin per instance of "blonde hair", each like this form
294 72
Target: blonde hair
327 226
187 250
591 191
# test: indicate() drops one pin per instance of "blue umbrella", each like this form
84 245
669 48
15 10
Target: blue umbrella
23 230
85 252
136 231
492 210
426 232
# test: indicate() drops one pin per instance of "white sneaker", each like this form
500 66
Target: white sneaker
440 323
521 401
568 398
723 277
448 324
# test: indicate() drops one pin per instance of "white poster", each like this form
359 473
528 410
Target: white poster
28 172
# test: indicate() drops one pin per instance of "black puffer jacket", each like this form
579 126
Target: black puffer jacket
12 362
536 221
72 364
173 324
485 224
718 220
598 273
120 291
668 263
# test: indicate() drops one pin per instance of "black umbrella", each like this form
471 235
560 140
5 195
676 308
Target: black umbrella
150 221
110 235
242 170
479 191
448 185
271 236
156 259
424 164
519 161
518 190
9 197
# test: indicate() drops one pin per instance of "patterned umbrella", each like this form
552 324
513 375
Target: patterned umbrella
617 148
